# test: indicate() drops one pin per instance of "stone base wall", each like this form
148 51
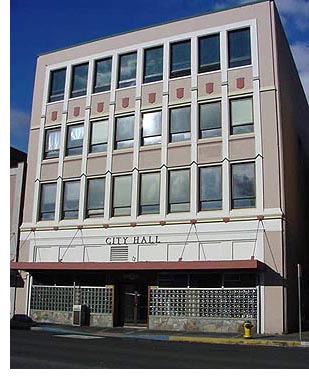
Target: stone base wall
198 324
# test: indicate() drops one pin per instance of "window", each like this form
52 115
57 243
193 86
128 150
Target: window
122 196
241 116
180 59
153 64
95 198
48 201
209 53
151 131
180 124
75 138
243 185
210 188
57 85
210 120
179 191
149 193
102 76
52 143
127 70
124 132
79 80
239 47
98 140
70 204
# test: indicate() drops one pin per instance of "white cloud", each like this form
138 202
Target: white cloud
295 10
301 56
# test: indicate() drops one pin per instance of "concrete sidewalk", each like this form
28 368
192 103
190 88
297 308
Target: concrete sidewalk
143 333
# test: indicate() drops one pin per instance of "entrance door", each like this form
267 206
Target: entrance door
133 304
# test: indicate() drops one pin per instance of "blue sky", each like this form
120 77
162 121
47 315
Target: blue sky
38 26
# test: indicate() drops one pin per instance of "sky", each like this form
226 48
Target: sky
38 26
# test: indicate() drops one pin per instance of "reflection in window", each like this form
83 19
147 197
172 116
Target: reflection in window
98 140
48 201
239 47
210 120
124 132
180 59
127 70
243 185
75 138
102 76
150 193
179 191
70 203
209 53
151 131
180 124
57 85
79 80
210 188
95 198
153 64
122 196
52 143
241 116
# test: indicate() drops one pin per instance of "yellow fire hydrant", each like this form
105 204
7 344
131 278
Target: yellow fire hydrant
247 329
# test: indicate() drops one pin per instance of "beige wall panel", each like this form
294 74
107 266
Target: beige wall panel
241 73
76 105
273 250
47 254
148 99
125 100
54 113
216 251
213 80
24 253
72 168
49 171
100 105
243 250
176 251
178 155
209 152
242 148
149 159
146 253
96 166
273 309
175 86
97 254
122 162
72 254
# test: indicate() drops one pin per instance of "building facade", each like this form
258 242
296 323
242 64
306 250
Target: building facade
166 176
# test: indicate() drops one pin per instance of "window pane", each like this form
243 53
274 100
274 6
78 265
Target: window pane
180 120
239 47
210 188
57 85
179 190
122 196
95 201
209 53
52 143
48 200
242 116
79 80
127 70
210 119
99 136
180 59
71 199
124 132
150 193
75 139
103 69
153 68
151 124
243 186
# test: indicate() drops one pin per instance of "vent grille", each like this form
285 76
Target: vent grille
119 253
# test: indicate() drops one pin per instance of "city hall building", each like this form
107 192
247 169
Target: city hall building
166 178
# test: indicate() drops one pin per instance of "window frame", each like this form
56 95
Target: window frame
143 138
232 186
116 142
79 92
107 87
158 76
68 150
182 72
76 210
104 144
251 125
169 203
126 82
157 204
212 66
199 190
200 105
184 133
40 212
93 214
51 80
46 154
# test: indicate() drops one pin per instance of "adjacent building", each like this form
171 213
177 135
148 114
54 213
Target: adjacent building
166 178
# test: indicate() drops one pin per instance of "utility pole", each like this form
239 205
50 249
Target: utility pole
299 299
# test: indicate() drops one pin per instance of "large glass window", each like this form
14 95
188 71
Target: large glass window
124 132
127 70
122 195
239 47
179 191
210 119
48 201
52 143
210 188
243 185
98 141
102 76
209 53
75 138
151 131
95 198
241 115
79 80
70 203
180 59
180 124
149 193
153 64
57 85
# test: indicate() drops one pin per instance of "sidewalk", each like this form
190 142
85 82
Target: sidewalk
291 339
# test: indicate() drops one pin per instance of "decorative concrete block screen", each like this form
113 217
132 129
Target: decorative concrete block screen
231 303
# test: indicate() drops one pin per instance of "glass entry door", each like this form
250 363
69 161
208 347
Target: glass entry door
134 299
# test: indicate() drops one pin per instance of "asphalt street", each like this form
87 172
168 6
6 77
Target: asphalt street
45 350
